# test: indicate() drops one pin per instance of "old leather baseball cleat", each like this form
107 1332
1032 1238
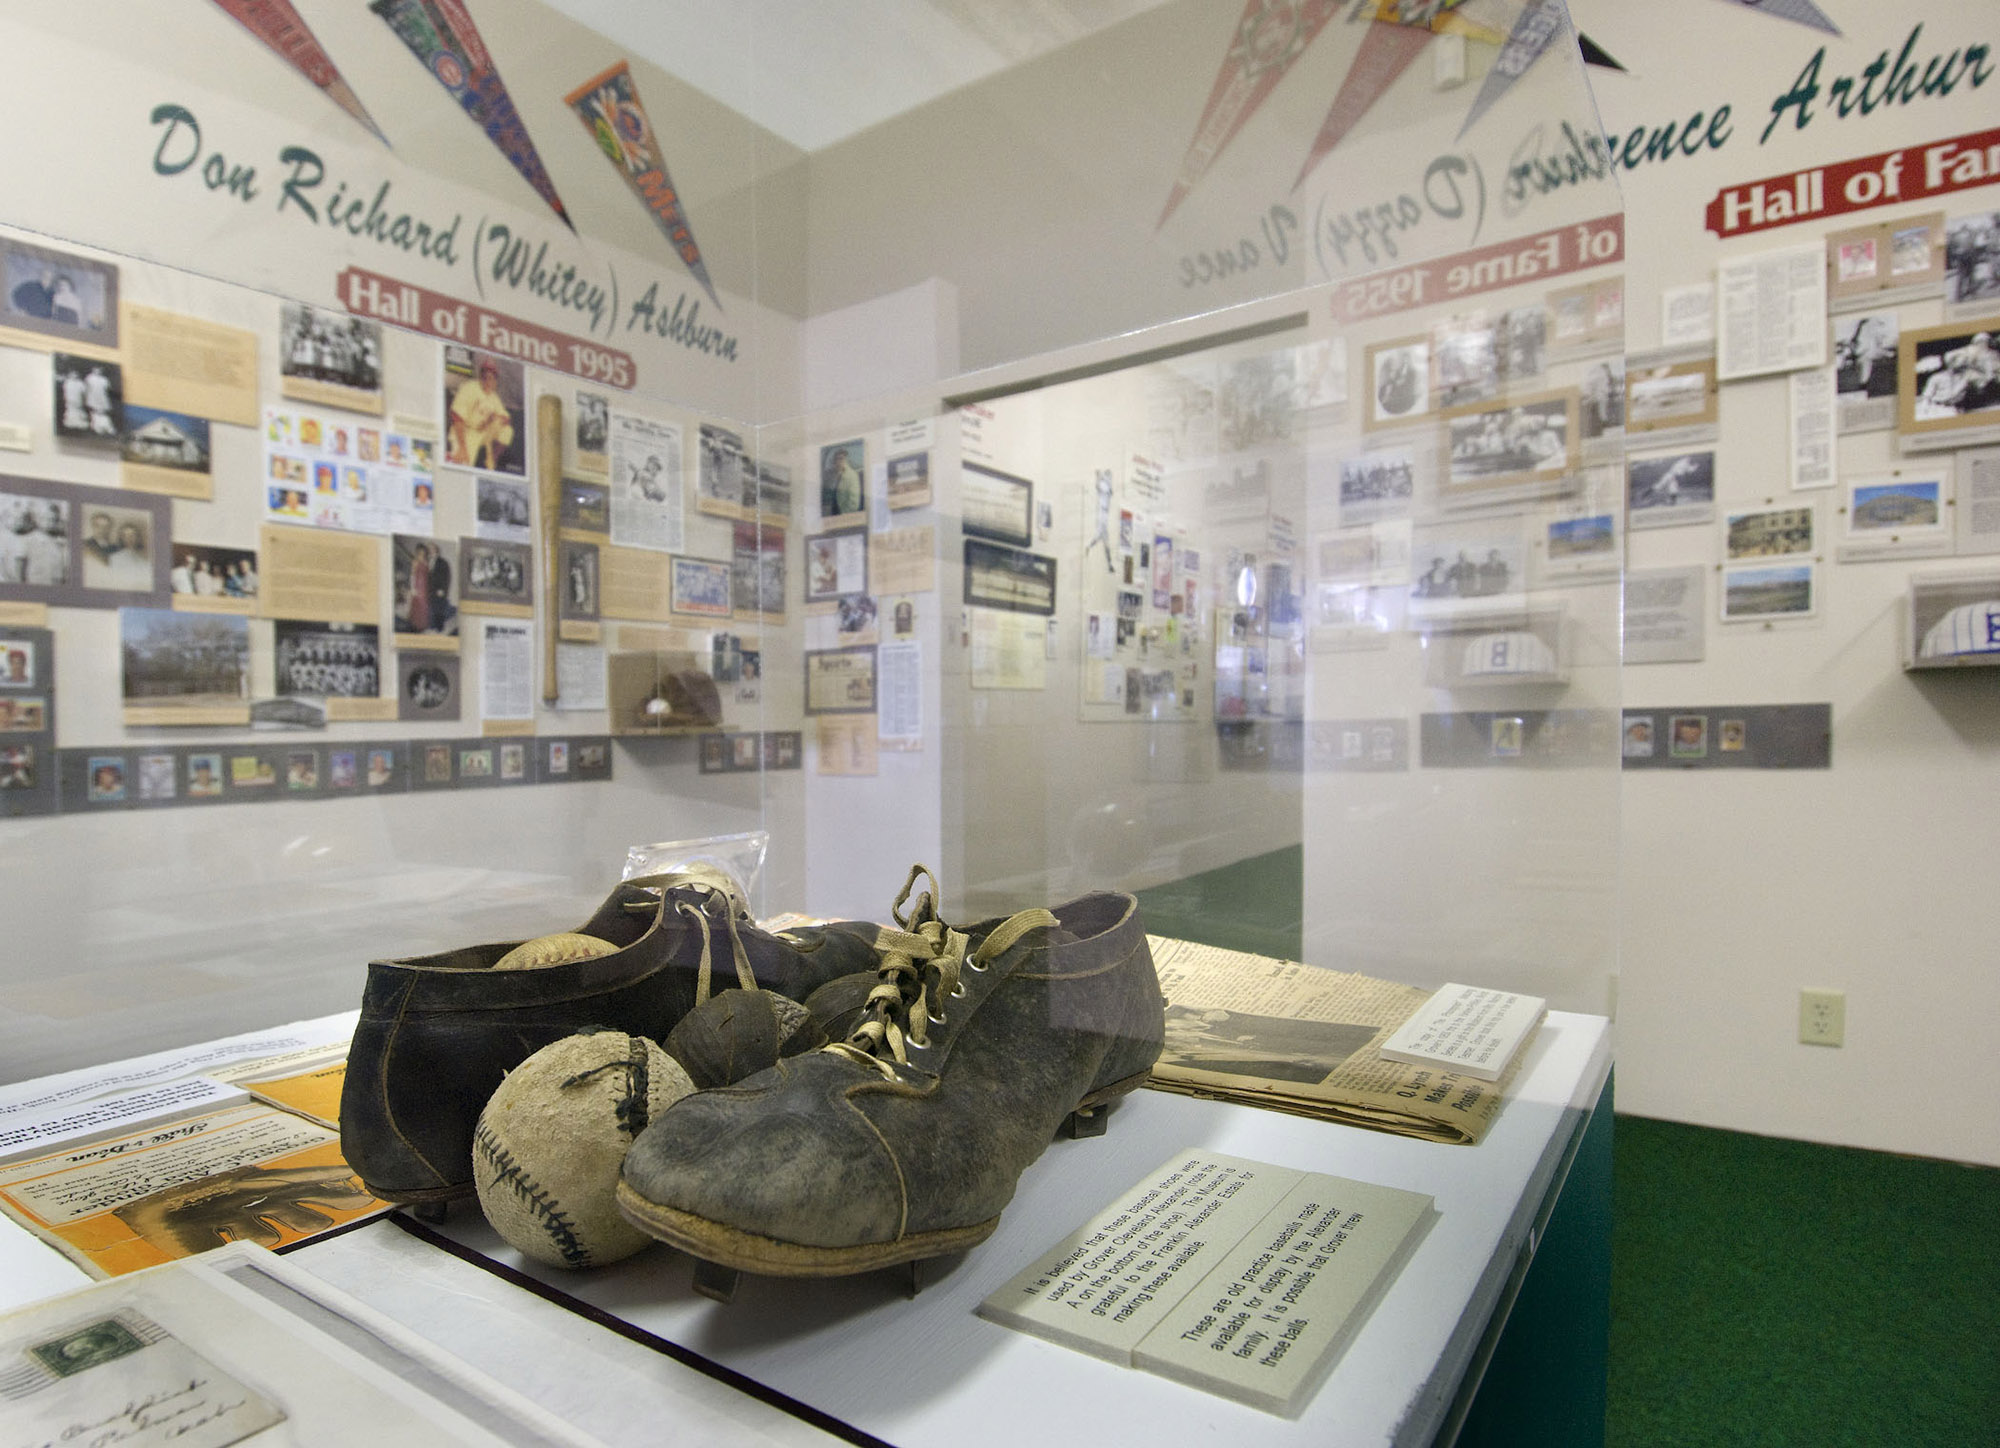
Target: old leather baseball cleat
438 1032
906 1139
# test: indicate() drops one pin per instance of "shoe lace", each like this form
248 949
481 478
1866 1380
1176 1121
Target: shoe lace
921 965
712 885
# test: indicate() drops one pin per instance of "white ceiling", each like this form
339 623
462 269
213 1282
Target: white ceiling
816 71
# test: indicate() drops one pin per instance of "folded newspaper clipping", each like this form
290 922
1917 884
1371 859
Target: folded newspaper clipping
1293 1037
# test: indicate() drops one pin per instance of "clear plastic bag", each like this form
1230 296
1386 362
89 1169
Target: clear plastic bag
733 864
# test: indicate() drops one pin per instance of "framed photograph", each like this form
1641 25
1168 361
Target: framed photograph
836 564
1767 533
1972 258
1399 382
204 776
1009 578
437 764
1377 485
701 588
1601 411
302 770
24 714
156 440
1467 564
1465 361
1865 368
997 505
1587 318
586 507
17 664
1687 736
331 358
757 573
326 660
576 573
1766 593
58 294
341 770
1904 512
840 681
843 484
513 761
500 509
476 763
774 493
558 756
1856 261
499 577
122 549
158 776
205 578
1662 492
485 411
1527 442
590 433
105 776
1638 739
1584 543
89 398
426 578
1948 378
184 668
1680 394
726 480
909 481
427 688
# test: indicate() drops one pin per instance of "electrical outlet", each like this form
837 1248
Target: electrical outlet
1822 1017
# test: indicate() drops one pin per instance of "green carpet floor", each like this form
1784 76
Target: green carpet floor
1776 1292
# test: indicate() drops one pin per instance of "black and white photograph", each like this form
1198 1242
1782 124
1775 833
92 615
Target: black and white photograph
496 573
774 490
89 398
836 564
1469 568
726 480
57 294
1255 401
156 438
1865 369
909 484
1377 485
1510 444
1009 578
1972 258
427 688
1399 381
1465 361
500 509
1603 399
425 583
1520 338
576 575
1274 1048
34 541
1680 394
1949 377
586 507
327 357
1677 488
757 573
117 549
183 660
590 437
226 576
326 660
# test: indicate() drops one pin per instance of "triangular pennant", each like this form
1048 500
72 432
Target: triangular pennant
1540 26
1804 12
1270 36
278 25
610 109
441 35
1597 55
1386 52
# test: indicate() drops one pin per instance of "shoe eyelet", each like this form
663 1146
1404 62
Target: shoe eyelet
977 965
958 991
935 1019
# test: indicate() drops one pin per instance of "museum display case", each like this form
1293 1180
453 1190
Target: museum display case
1175 454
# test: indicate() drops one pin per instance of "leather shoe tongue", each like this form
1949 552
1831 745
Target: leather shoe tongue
564 948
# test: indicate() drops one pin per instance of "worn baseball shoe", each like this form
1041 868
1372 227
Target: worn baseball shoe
905 1139
438 1032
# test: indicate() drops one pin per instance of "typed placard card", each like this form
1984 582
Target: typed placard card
1238 1277
1467 1029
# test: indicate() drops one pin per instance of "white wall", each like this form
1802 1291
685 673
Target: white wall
1871 877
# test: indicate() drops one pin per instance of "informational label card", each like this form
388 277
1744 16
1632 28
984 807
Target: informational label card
1237 1277
1813 403
1664 615
1468 1029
